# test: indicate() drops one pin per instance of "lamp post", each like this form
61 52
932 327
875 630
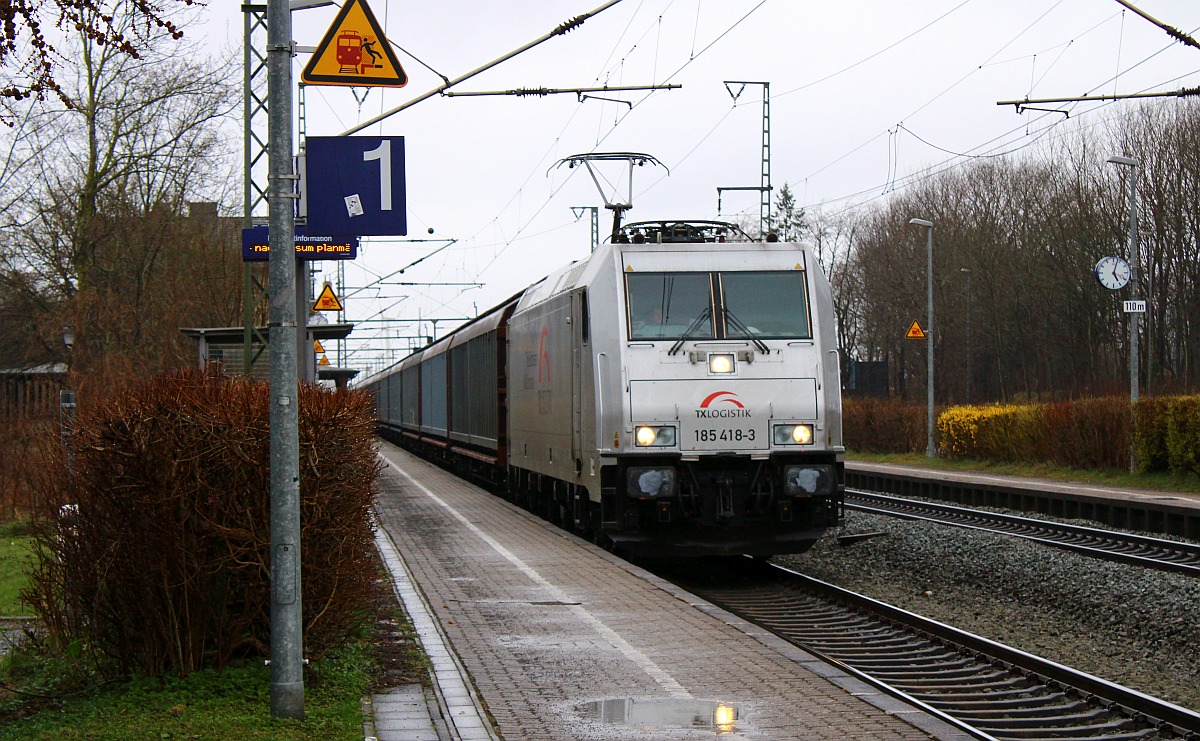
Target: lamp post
66 405
970 377
1134 318
928 333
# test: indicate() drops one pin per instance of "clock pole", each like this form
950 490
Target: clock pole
1134 318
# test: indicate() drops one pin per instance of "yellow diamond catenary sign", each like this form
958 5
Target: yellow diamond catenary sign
354 52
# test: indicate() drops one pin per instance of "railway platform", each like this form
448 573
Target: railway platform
1178 498
1171 512
535 634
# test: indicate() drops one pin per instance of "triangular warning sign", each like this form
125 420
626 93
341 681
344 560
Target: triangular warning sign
323 361
354 52
327 301
318 348
914 332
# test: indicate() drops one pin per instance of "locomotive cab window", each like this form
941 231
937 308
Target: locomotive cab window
665 305
727 305
770 305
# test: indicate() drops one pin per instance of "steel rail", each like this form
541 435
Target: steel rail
1000 691
1128 548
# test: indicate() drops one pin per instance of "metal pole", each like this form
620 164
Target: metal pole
970 376
1134 317
287 637
929 332
595 213
1133 287
764 195
764 189
66 426
254 160
248 294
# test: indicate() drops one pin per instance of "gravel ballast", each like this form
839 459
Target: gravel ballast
1127 624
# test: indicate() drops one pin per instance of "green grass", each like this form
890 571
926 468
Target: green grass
219 705
1155 481
15 547
59 698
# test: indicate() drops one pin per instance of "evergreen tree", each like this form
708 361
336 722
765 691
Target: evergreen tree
788 221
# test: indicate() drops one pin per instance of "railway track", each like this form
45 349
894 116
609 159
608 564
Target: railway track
991 690
1154 553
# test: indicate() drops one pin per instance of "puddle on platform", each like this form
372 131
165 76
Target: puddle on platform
656 714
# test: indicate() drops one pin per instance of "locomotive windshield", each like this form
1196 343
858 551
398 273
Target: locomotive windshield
726 305
665 305
770 305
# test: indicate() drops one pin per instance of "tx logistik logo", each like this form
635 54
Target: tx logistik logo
735 408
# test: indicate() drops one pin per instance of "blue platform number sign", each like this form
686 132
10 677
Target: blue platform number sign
356 185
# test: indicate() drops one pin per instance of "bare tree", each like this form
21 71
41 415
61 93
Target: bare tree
1030 230
101 233
128 27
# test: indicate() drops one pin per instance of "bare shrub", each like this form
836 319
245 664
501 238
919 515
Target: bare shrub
1087 433
883 425
163 563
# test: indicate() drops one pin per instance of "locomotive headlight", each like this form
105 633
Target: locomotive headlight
655 437
793 434
721 362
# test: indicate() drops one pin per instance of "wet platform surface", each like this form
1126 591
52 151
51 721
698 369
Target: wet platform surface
558 639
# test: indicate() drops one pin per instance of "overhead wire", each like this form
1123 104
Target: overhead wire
959 159
515 197
617 123
871 56
1000 145
1120 42
695 29
889 186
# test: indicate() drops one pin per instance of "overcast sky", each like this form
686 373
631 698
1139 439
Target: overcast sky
864 97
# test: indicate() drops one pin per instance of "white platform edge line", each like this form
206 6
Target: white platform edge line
615 639
431 635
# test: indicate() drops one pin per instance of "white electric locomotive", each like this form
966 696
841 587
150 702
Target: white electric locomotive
677 393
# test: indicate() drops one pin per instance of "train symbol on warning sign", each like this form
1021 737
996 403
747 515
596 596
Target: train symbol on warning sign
351 47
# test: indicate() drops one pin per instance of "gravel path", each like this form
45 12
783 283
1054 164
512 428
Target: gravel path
1126 624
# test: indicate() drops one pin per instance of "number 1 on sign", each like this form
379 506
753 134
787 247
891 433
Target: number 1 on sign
383 153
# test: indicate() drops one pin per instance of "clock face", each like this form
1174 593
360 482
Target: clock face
1112 272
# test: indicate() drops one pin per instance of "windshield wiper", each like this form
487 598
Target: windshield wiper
695 325
740 326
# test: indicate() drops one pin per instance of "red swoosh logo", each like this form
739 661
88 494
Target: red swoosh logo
717 396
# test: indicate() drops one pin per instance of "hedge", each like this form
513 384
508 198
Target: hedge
160 563
1084 433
